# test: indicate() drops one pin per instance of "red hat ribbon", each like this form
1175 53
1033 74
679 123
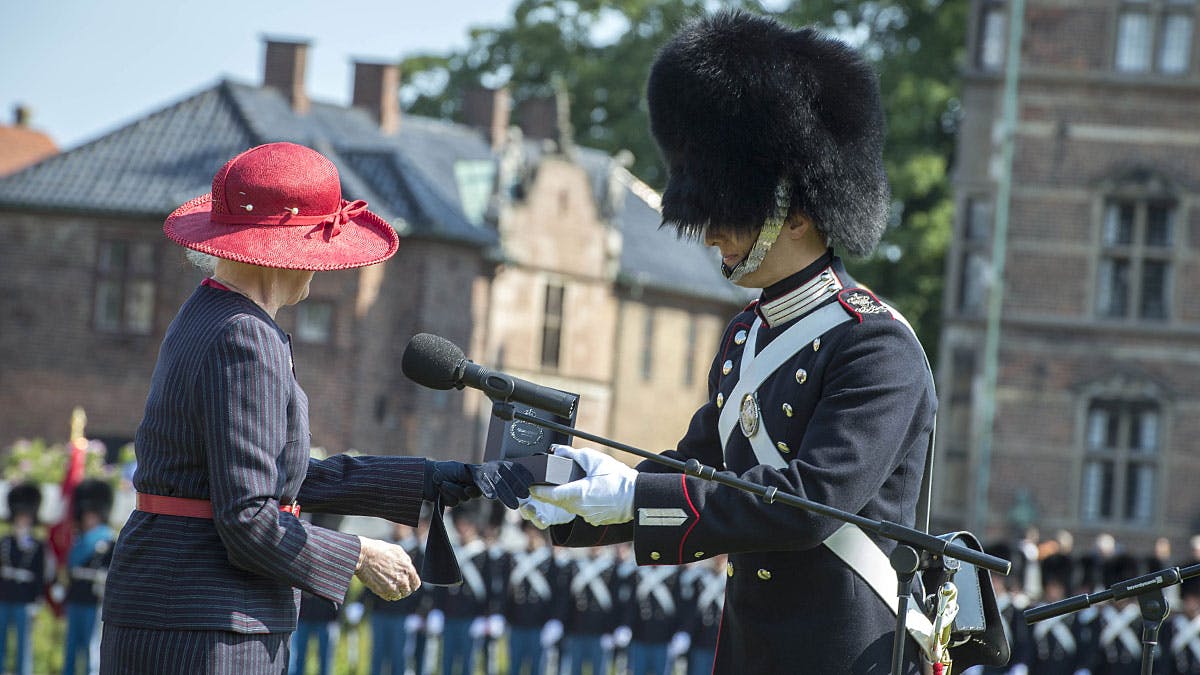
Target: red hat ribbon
331 223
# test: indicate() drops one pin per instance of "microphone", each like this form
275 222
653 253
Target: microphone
438 363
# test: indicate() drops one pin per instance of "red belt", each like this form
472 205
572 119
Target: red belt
190 508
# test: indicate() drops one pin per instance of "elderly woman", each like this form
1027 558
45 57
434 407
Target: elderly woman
207 573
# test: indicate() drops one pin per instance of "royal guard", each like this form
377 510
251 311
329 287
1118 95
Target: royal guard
1180 636
593 613
532 606
1056 649
24 570
460 611
87 572
395 626
1120 623
704 586
653 618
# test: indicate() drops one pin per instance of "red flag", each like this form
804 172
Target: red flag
61 534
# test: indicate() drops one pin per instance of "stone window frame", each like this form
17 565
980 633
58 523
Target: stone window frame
1144 189
124 275
1128 394
1158 12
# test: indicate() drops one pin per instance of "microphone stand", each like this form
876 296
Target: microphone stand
1147 588
916 549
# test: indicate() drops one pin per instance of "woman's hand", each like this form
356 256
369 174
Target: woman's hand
386 569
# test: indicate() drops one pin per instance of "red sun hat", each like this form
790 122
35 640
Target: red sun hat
280 205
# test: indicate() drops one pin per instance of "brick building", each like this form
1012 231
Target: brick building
1098 393
514 246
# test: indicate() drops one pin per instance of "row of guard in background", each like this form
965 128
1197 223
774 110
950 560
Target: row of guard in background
556 611
1105 639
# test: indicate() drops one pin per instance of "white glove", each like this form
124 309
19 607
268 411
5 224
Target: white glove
551 633
621 636
413 623
478 627
58 593
1019 669
495 625
603 497
354 613
543 515
679 644
606 642
435 622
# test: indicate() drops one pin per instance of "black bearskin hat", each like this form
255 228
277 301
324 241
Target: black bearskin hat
25 498
1119 568
93 496
1058 568
739 102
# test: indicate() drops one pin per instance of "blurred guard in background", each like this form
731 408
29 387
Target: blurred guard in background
87 572
532 606
23 576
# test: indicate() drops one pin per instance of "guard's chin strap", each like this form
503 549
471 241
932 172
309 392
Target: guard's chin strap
766 236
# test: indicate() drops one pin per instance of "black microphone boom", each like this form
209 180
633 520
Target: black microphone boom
437 363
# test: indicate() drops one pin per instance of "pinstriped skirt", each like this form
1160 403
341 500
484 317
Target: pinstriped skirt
142 651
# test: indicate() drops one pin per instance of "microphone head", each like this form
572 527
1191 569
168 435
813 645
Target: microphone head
432 361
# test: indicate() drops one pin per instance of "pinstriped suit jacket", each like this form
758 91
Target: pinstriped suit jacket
226 420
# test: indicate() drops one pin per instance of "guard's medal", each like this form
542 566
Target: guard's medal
748 417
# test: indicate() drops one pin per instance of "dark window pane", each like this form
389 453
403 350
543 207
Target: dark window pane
1154 290
552 326
141 259
648 344
112 257
1097 490
689 353
1114 288
1160 219
108 305
1139 492
1118 223
1143 430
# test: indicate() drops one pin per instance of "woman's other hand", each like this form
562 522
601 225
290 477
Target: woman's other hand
386 569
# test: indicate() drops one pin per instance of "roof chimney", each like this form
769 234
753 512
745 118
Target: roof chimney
377 90
21 115
284 70
487 110
548 118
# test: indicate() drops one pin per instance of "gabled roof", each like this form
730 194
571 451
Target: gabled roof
158 162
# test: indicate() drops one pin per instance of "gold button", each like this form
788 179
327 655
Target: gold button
699 554
720 400
765 575
740 338
801 376
728 569
816 344
783 447
787 409
655 555
726 367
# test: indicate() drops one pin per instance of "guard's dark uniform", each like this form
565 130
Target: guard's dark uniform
851 414
463 605
529 601
594 611
704 589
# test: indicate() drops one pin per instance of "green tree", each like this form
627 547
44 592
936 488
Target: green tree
601 51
